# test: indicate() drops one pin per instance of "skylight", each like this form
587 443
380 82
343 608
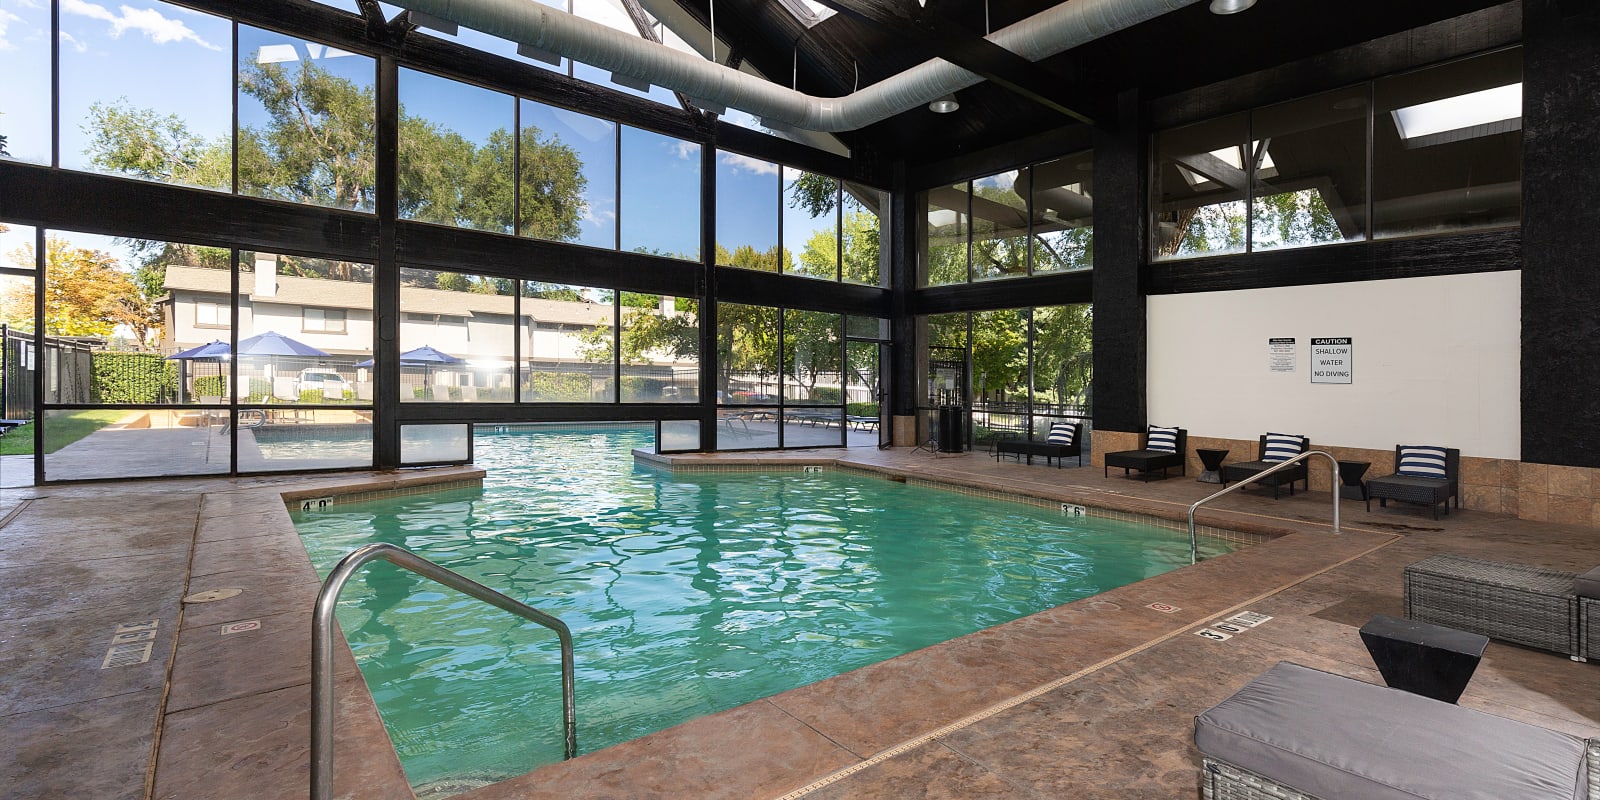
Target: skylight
809 12
1501 104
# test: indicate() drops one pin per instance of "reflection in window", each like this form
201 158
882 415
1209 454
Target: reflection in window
457 334
747 354
813 374
944 235
305 336
456 153
660 349
1063 361
25 92
1447 147
1063 213
660 205
119 113
569 176
17 246
747 212
314 442
810 224
1310 171
568 344
861 226
1000 226
306 121
1201 188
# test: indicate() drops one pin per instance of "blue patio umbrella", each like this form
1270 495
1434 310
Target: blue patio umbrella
215 350
273 343
422 356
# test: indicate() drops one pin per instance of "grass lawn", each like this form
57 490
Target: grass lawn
62 431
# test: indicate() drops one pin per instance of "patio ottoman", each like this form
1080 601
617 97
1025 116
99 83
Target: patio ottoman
1516 603
1587 587
1296 732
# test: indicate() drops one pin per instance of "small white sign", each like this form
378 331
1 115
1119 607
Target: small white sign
1280 354
1165 608
1213 635
1331 359
1249 619
241 627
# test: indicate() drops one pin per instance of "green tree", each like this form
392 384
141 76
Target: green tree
143 143
452 282
319 144
86 294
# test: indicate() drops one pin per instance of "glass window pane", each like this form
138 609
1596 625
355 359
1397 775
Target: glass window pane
810 224
1063 214
17 247
678 436
1000 226
294 439
861 227
569 176
1311 171
119 112
813 427
863 386
25 92
747 212
306 121
811 359
456 337
431 444
497 46
567 344
455 153
81 444
660 195
611 14
305 338
1447 147
943 237
660 349
747 354
1200 189
1000 360
1063 359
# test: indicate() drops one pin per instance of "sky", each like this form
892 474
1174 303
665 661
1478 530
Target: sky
140 50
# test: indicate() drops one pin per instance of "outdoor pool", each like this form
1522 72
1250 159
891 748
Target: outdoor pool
686 593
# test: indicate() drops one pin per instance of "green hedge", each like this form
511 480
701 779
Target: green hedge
826 396
121 377
557 387
861 409
208 386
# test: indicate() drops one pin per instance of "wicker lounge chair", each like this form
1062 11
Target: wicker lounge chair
1434 486
1272 453
1296 733
1544 608
1147 459
1057 451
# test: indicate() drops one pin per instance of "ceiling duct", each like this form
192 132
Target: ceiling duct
533 24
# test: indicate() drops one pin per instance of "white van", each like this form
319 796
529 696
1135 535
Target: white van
332 384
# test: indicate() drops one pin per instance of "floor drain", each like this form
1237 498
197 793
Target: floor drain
212 595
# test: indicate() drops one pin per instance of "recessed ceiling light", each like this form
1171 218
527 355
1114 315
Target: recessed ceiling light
944 105
1230 6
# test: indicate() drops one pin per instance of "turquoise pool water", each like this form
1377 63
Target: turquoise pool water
686 594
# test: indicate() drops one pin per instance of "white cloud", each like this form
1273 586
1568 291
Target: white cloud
77 46
148 21
685 150
741 163
6 18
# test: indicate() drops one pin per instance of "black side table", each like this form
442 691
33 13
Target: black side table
1211 460
1350 473
1423 658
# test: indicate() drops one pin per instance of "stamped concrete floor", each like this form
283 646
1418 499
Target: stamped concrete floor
1092 699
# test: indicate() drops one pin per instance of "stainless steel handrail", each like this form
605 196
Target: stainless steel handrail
1194 547
322 648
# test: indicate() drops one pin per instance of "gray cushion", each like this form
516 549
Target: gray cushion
1587 584
1334 738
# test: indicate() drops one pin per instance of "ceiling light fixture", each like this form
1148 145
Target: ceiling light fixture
1225 7
944 105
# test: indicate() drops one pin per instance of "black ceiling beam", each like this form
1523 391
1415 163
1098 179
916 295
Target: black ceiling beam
974 53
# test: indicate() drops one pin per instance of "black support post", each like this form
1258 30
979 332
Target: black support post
1118 387
386 274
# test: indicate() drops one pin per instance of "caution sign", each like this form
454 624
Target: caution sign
1331 359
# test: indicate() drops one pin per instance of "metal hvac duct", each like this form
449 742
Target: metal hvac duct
536 25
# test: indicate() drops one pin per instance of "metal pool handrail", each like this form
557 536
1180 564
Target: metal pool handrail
322 700
1194 547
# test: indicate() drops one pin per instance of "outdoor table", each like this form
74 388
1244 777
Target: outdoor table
1423 658
1211 460
1350 473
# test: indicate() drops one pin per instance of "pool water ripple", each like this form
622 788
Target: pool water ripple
686 594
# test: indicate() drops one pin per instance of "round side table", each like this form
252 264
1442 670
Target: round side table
1211 460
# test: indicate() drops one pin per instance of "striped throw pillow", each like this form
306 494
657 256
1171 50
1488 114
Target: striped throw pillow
1061 433
1281 447
1421 462
1162 440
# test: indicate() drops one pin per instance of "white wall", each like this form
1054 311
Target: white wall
1436 361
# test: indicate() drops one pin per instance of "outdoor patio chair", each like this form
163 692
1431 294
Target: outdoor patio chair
1422 474
1532 606
1159 448
1064 441
1275 448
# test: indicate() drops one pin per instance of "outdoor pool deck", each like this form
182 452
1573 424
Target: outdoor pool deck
1092 699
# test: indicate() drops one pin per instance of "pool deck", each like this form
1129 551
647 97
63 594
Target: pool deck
1088 700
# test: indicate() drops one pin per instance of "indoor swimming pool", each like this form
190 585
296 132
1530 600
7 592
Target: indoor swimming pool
686 593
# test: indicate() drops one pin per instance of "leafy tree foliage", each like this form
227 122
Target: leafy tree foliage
87 294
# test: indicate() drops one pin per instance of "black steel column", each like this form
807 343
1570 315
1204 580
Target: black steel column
708 295
1560 214
386 273
901 242
1117 392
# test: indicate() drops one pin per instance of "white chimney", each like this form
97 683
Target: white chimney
668 306
266 275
